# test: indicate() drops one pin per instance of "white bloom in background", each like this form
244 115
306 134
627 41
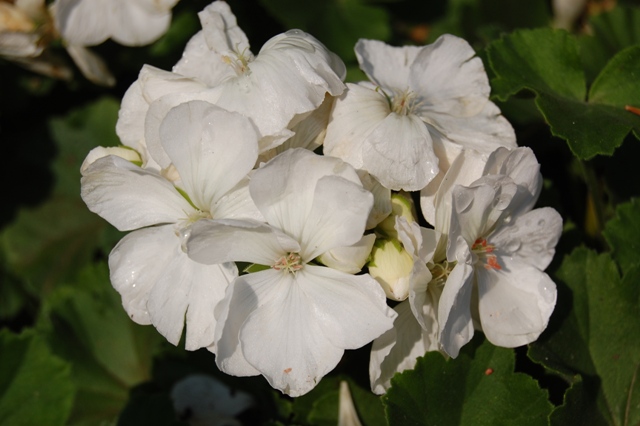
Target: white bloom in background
202 400
127 22
211 151
503 248
425 105
292 321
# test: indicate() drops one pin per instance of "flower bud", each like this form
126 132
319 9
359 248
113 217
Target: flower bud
391 266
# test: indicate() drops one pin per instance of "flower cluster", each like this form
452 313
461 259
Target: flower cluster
217 171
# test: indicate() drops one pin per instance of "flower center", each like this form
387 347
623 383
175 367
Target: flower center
239 61
484 251
289 263
440 272
405 102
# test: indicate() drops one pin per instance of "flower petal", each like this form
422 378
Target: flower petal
454 310
355 115
129 197
212 149
448 76
337 217
387 66
284 188
408 163
349 259
133 24
227 240
515 302
202 58
531 238
350 309
83 23
398 349
159 284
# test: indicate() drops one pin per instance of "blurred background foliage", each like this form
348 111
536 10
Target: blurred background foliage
70 355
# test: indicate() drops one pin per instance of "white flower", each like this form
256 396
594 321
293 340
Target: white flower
128 22
283 84
503 249
426 104
211 151
205 401
292 321
347 414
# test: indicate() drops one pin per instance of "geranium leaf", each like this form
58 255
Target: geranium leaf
46 243
35 385
479 387
87 326
547 63
604 323
579 408
623 235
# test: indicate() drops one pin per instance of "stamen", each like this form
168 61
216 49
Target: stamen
484 251
289 263
405 102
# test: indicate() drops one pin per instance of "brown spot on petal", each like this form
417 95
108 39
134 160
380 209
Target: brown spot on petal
287 370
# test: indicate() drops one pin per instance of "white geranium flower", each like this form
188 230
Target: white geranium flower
284 83
211 151
292 321
424 106
503 248
128 22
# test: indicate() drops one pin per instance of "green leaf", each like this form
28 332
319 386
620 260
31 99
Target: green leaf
479 387
76 134
610 33
87 326
337 23
579 408
47 243
623 234
35 385
599 338
547 63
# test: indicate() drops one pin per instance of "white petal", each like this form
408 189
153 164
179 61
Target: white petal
129 197
515 302
202 58
521 165
351 309
226 240
448 76
236 204
284 188
91 65
349 259
347 414
160 285
398 349
355 115
454 310
337 216
131 24
294 66
399 153
530 238
101 152
386 65
283 339
484 132
381 199
212 149
83 23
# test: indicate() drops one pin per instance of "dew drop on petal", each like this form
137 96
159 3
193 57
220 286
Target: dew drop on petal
511 246
541 223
